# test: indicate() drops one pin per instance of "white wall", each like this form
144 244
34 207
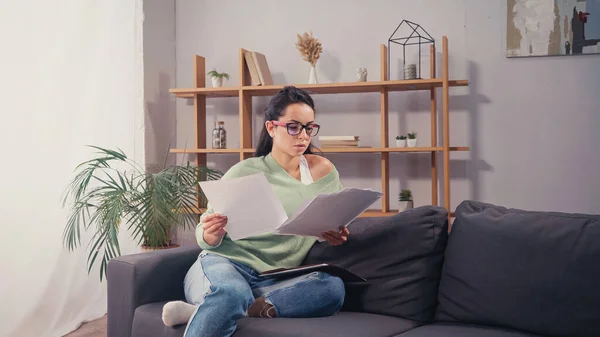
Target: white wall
159 77
72 75
531 123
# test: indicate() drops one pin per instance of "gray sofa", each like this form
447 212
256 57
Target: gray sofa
500 273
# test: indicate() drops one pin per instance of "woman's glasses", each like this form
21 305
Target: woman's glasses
295 128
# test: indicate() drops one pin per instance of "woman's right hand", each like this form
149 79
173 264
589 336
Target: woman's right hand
214 228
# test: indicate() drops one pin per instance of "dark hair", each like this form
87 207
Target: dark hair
277 105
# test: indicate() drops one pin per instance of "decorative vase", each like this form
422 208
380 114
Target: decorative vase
411 142
405 205
312 78
401 142
361 74
217 81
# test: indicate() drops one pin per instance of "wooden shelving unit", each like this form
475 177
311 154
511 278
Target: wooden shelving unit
245 91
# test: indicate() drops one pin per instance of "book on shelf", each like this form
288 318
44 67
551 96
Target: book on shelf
339 138
339 141
260 74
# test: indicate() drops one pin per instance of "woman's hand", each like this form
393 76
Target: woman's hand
337 238
214 228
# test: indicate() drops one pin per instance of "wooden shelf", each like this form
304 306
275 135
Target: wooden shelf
372 213
439 153
323 88
335 150
209 92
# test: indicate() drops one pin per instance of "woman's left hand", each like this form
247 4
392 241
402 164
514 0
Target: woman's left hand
337 238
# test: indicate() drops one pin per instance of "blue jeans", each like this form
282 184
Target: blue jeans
223 290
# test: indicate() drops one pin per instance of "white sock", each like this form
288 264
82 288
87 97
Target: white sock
177 312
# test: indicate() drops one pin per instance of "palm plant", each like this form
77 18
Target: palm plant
152 204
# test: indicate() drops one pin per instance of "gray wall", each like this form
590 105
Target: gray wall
160 123
531 123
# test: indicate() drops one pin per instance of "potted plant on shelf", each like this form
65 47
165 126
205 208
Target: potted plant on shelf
401 141
405 200
112 190
217 78
412 139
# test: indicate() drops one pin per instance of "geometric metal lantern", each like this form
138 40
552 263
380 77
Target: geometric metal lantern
411 32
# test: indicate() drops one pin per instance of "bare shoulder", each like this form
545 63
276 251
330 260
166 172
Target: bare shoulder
319 166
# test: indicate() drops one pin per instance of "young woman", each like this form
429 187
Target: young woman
223 285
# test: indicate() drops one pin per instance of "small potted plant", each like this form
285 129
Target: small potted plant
412 139
405 200
217 78
401 141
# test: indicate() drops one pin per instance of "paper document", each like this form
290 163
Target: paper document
252 208
249 203
329 212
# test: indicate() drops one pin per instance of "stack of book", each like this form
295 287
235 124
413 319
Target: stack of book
338 141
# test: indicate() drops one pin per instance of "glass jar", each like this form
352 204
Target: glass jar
219 136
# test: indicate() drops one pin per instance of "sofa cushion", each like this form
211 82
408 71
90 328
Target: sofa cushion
343 324
526 270
401 256
147 322
462 330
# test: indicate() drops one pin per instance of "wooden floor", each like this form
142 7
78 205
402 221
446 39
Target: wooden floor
95 328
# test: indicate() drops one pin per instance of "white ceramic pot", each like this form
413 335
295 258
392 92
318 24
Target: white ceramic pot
411 142
217 81
401 142
405 205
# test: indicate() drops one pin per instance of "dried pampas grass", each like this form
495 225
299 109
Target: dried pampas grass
310 48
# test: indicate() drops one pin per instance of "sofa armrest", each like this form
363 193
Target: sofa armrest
138 279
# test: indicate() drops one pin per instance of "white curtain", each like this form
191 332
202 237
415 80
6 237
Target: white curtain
71 74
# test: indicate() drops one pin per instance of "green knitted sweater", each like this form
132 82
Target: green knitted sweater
269 251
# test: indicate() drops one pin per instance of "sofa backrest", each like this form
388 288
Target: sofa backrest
401 256
533 271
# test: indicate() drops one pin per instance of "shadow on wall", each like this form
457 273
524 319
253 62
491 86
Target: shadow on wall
160 126
329 66
471 102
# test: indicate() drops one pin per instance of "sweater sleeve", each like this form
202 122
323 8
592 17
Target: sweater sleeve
234 172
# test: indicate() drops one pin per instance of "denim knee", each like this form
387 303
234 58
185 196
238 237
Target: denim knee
335 293
233 296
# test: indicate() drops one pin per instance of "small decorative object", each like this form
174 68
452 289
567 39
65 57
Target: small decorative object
412 139
310 48
361 74
219 136
405 201
217 78
410 71
401 141
414 35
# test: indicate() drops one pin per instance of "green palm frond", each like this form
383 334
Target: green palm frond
110 190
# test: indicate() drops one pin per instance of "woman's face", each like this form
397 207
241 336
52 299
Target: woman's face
292 138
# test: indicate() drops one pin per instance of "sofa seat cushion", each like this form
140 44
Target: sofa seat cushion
401 257
462 330
525 270
343 324
147 322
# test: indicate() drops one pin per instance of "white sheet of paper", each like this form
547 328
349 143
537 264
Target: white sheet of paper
329 212
249 203
252 208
